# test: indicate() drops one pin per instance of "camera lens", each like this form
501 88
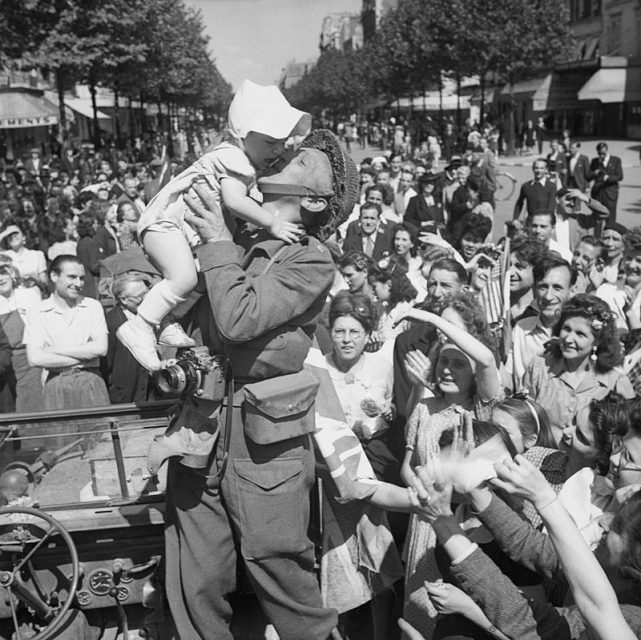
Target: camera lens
173 379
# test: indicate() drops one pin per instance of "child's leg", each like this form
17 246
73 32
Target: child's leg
171 253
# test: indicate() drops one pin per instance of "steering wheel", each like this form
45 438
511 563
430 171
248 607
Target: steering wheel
23 531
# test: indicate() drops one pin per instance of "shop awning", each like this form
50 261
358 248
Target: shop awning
22 108
84 108
431 102
531 86
613 85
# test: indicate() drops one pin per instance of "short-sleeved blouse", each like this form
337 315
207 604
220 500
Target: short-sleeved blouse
368 382
547 380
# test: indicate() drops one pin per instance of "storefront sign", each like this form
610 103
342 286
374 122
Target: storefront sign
33 121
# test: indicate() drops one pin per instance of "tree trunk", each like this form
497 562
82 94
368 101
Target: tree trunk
95 133
482 116
441 117
117 117
509 137
60 86
143 118
132 121
458 102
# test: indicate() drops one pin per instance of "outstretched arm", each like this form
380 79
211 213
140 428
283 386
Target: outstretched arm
592 591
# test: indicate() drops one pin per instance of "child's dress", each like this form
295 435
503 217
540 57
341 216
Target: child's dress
429 420
167 209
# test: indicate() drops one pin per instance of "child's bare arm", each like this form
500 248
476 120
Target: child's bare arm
234 196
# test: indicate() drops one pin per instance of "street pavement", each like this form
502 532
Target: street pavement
520 167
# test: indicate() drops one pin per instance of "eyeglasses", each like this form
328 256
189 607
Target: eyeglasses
624 462
352 334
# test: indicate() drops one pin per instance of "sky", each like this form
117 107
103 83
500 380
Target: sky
255 38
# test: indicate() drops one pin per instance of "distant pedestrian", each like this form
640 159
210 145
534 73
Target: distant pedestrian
607 172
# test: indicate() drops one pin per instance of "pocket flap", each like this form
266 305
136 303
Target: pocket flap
284 396
270 475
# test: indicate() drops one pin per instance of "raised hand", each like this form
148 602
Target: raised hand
521 478
448 599
417 367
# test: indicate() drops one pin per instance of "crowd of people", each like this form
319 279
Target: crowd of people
496 381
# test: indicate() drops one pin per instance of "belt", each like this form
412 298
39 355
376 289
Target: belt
70 371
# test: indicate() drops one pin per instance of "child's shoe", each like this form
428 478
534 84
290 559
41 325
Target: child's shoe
173 335
139 337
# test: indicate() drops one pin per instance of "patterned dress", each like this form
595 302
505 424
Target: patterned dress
430 418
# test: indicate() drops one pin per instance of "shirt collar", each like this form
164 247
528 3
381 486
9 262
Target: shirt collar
49 304
606 379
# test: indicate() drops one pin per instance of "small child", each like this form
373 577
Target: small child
260 120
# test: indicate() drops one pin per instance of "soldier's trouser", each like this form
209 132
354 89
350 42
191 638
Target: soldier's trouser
262 510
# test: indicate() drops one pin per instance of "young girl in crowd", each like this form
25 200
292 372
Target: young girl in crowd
466 382
259 123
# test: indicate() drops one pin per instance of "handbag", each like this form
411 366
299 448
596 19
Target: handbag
280 408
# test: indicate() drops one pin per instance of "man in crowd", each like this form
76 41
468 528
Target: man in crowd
540 226
524 255
607 172
368 235
446 278
128 381
579 168
266 298
66 335
538 194
405 192
588 259
553 280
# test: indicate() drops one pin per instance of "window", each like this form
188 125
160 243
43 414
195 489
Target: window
614 35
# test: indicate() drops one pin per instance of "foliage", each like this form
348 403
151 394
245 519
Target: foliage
153 47
419 42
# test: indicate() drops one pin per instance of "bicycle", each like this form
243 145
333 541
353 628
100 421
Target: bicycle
505 186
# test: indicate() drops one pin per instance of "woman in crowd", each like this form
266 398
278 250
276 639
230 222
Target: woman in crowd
354 267
107 231
395 294
405 247
623 296
63 236
582 363
29 262
15 301
613 239
363 381
425 211
465 382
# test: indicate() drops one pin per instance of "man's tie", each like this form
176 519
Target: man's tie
369 246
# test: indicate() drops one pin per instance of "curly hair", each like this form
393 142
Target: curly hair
356 259
468 306
474 227
354 305
608 348
611 416
401 289
529 250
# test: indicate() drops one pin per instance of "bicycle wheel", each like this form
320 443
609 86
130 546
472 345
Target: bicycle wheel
505 185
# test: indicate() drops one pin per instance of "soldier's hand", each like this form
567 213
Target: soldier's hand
206 217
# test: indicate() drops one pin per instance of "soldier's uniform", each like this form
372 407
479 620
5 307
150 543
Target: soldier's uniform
264 321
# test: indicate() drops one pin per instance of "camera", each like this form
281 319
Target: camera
196 373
